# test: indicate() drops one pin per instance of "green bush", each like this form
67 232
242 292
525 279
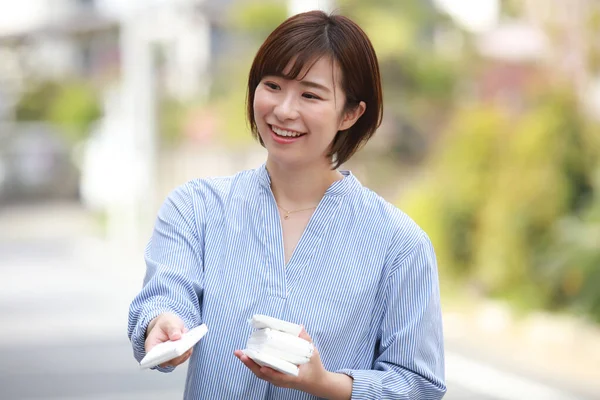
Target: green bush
71 105
74 109
510 203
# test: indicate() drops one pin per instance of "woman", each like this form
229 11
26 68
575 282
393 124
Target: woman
299 240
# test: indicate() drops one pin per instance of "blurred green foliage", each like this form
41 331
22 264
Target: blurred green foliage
258 18
229 99
418 82
71 105
171 117
511 203
251 22
35 101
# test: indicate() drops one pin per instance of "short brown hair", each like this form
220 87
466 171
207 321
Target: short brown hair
307 37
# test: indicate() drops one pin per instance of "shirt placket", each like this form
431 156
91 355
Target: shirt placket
273 303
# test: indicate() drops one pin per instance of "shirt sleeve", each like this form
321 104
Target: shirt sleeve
174 270
409 361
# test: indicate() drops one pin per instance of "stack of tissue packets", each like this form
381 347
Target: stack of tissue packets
282 345
275 343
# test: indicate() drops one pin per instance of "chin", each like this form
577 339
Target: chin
281 158
289 159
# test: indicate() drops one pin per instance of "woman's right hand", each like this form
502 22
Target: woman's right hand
166 326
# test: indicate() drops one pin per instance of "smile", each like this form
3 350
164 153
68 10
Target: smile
286 133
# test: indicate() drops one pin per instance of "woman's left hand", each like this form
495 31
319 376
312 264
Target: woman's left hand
311 377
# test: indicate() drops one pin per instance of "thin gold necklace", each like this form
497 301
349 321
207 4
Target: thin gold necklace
288 212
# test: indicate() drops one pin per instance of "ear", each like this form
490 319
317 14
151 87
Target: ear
350 117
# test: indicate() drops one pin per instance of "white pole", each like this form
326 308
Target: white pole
137 138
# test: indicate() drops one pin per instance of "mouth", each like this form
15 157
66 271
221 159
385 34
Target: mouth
285 136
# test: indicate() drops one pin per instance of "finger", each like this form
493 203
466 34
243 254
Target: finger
248 362
174 332
278 378
153 339
274 375
265 373
155 336
185 356
238 353
304 335
181 359
178 360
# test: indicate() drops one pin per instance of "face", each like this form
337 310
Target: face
298 119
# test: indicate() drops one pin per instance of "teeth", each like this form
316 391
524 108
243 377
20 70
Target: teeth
281 132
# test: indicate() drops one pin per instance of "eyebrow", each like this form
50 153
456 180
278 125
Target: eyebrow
309 84
315 85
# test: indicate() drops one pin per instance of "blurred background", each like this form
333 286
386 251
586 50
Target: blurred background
490 141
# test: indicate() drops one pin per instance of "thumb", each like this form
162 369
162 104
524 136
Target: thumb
174 331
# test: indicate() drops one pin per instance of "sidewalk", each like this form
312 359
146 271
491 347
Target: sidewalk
59 281
563 350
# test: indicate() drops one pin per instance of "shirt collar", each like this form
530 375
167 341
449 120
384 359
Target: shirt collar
338 188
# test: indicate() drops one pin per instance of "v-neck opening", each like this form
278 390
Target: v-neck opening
284 276
300 241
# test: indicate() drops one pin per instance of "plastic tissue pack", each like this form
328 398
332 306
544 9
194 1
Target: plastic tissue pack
275 343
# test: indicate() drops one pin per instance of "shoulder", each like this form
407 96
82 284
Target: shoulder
221 186
403 235
215 187
383 213
193 198
409 252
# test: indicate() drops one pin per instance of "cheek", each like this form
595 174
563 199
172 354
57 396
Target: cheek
327 119
262 103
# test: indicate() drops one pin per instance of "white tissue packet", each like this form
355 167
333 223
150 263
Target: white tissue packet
259 321
171 349
267 360
275 352
282 341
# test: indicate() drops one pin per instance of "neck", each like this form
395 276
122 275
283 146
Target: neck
300 187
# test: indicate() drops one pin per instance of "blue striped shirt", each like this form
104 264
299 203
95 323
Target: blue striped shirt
362 280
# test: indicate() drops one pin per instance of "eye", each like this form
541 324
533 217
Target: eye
311 96
272 85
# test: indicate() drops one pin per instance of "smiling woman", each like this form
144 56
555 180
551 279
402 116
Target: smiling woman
307 112
300 240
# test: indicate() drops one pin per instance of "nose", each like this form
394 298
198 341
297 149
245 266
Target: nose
287 109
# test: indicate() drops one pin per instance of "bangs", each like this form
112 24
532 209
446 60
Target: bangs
302 54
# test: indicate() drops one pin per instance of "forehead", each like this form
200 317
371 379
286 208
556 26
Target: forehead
323 70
